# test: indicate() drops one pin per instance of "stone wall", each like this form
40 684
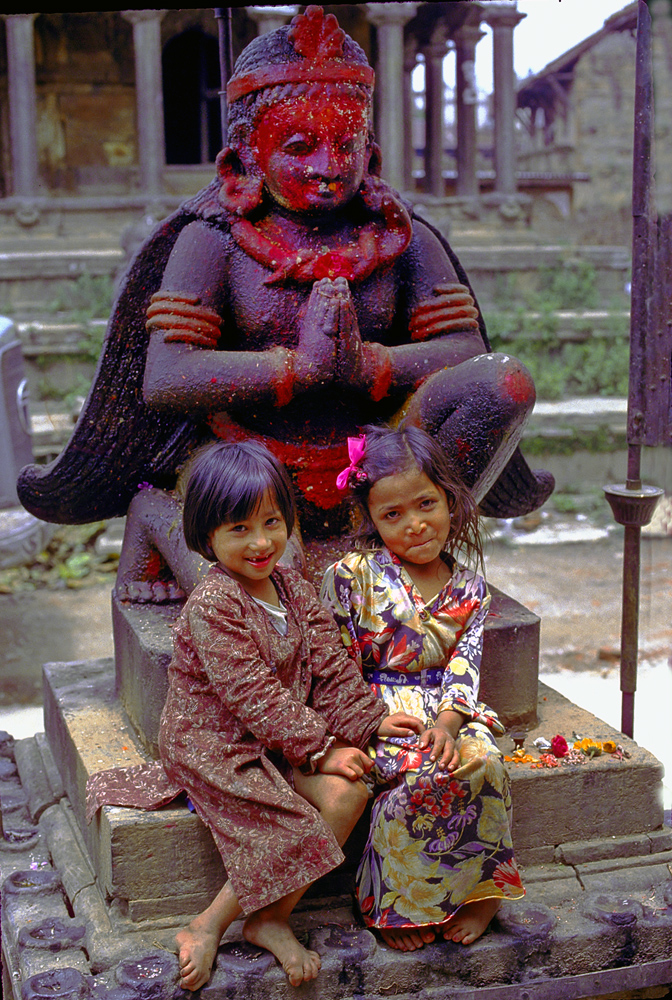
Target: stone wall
85 102
589 132
603 104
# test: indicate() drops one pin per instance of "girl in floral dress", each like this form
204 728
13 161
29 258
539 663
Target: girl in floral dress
439 857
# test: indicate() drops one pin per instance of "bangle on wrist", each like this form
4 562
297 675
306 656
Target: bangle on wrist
312 759
283 385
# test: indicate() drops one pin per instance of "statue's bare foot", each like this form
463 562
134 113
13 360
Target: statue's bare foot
146 592
276 936
407 938
197 946
467 925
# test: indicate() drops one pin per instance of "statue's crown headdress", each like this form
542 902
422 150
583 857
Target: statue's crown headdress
318 45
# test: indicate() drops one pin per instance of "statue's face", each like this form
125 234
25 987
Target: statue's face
313 152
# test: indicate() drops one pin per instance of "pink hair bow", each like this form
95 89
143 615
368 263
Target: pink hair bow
356 453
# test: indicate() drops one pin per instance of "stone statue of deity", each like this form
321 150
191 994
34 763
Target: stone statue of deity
291 301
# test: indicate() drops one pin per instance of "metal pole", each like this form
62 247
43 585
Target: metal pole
223 15
630 626
639 326
632 504
642 250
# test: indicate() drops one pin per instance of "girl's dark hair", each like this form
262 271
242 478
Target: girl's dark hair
226 483
390 451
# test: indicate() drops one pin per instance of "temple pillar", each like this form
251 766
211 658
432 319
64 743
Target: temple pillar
410 60
149 97
269 18
503 18
466 103
434 53
391 128
22 104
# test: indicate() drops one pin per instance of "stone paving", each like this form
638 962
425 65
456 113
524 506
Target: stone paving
597 916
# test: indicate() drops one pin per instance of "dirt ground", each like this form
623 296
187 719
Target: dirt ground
574 588
49 625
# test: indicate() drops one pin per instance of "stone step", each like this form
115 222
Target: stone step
514 272
569 325
30 273
583 931
596 920
31 278
563 815
44 337
60 356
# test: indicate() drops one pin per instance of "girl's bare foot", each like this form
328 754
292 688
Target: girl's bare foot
197 943
467 925
197 948
407 938
276 936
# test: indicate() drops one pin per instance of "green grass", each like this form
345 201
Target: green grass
595 366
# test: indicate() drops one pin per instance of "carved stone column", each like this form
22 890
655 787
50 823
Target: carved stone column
391 128
149 97
22 104
502 18
269 18
466 39
410 59
434 53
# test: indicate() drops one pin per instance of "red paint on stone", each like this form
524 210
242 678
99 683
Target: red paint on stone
518 386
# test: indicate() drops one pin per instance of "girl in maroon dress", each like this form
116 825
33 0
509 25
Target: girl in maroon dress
266 718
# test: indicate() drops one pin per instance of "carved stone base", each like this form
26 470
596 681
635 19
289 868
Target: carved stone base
143 648
164 864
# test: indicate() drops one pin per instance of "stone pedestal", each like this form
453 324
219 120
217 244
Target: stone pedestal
132 850
143 647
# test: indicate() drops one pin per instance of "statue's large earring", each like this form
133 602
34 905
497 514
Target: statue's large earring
240 193
372 187
375 160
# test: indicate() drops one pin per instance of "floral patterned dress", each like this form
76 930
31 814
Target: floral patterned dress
436 841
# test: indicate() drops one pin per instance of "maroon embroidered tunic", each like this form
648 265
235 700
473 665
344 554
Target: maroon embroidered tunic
244 704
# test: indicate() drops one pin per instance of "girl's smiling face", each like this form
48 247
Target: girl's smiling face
412 516
249 549
313 151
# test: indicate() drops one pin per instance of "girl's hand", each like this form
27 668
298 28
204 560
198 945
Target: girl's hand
400 724
443 747
350 762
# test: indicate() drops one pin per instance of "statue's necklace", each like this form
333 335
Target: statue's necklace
375 244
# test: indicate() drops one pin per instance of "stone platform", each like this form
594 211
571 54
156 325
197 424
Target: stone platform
143 645
91 911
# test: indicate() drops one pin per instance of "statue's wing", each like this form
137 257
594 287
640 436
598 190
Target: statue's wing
118 441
